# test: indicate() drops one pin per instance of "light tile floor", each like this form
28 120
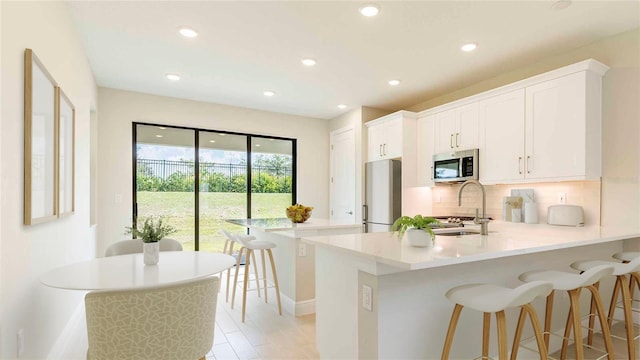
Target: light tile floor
264 334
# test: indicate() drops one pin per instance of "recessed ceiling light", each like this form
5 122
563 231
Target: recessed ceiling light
369 10
188 32
258 145
222 134
308 61
161 128
469 47
342 106
159 136
269 93
561 4
173 77
394 82
212 141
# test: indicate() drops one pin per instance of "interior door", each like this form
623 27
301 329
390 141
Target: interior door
343 176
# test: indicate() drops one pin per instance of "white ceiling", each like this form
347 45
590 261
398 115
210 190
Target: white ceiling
245 48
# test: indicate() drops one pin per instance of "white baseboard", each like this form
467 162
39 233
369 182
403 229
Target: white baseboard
69 336
299 308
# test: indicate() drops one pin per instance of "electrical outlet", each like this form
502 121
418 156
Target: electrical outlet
367 297
562 198
20 343
302 250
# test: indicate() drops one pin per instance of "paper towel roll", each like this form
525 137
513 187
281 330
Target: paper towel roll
530 213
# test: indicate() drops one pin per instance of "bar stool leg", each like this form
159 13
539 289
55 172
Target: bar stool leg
246 282
502 335
229 270
452 329
486 330
235 277
626 301
255 271
548 311
574 298
592 315
614 300
596 301
264 276
542 348
275 280
518 334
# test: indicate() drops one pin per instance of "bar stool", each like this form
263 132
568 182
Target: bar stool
249 245
496 299
229 242
573 284
627 257
620 271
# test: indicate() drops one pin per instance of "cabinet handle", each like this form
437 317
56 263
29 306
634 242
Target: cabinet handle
526 164
457 145
380 150
432 173
519 164
451 141
384 149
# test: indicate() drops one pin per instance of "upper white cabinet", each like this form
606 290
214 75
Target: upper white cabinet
457 128
502 138
426 149
386 135
544 128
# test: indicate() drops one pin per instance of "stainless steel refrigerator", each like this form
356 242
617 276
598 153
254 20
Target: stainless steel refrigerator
383 195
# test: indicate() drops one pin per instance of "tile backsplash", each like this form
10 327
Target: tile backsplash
444 198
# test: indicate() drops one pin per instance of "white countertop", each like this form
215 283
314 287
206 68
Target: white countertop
284 224
504 239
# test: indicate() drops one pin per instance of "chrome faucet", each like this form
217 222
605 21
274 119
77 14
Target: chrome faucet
483 221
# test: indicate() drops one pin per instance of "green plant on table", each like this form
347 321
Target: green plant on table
403 223
152 230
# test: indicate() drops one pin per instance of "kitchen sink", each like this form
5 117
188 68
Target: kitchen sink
456 232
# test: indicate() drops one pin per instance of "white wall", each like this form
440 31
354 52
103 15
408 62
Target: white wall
119 109
29 251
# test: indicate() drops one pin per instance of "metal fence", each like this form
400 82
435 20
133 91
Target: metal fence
172 175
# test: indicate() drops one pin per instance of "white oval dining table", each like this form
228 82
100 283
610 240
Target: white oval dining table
129 271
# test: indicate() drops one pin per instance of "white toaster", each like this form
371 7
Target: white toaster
567 215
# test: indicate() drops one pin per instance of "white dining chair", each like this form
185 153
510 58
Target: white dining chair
166 322
134 246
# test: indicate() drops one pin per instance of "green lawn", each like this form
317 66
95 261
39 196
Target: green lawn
177 208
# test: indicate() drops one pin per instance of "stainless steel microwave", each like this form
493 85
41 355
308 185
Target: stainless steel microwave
455 166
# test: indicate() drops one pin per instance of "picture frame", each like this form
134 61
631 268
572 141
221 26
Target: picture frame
65 124
40 142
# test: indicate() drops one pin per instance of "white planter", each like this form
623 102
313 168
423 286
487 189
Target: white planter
151 253
419 238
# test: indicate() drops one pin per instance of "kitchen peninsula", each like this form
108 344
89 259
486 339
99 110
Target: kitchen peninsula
295 261
406 313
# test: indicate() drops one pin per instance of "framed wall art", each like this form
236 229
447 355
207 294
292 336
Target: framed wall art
40 142
66 159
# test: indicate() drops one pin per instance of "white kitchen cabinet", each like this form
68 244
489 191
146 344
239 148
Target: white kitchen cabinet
384 138
549 131
457 129
557 126
502 138
426 149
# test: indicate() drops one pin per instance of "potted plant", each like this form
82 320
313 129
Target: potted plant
417 229
152 231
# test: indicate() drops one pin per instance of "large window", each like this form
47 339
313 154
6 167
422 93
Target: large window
195 179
